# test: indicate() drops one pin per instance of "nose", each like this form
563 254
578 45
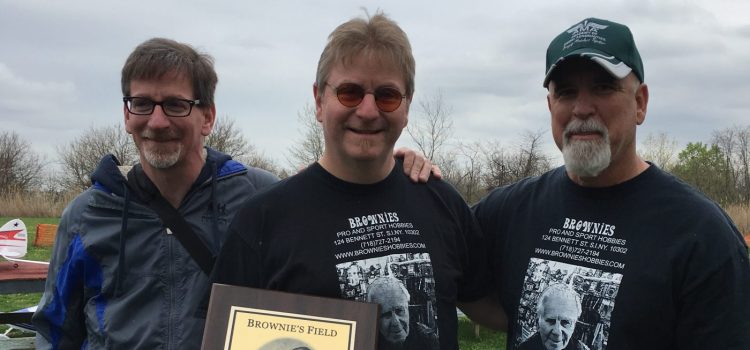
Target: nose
368 109
584 106
157 119
555 331
393 320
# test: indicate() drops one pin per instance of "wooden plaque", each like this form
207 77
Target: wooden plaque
251 318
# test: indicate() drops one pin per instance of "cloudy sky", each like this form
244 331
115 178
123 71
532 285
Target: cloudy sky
60 61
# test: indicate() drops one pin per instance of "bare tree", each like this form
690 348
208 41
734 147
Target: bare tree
227 138
80 157
257 159
743 163
432 132
309 147
532 161
20 167
506 166
462 167
734 143
726 140
659 149
498 165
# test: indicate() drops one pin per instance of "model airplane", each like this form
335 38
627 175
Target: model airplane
14 241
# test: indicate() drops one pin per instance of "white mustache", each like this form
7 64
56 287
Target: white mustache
584 126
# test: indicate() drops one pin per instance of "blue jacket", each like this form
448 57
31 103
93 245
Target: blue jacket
117 280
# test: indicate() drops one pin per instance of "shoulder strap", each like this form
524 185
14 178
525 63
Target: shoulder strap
184 233
175 223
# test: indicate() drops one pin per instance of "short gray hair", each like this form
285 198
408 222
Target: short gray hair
385 283
562 291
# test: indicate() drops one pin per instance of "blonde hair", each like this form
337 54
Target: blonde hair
378 37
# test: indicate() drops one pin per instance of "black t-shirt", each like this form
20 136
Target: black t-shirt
315 234
656 265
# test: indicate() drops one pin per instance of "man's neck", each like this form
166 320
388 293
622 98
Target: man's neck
615 173
175 182
356 171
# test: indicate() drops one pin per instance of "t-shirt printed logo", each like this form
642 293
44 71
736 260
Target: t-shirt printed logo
377 234
382 259
587 241
565 306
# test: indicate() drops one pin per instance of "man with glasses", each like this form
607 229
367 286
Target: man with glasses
657 265
353 206
119 278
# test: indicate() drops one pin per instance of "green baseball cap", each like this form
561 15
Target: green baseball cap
607 43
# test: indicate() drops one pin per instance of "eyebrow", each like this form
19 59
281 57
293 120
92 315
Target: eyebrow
605 78
163 98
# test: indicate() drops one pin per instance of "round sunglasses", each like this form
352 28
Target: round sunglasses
388 99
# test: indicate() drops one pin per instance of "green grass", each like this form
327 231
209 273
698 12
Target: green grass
487 339
12 302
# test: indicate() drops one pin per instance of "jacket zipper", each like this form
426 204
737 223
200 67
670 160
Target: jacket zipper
170 289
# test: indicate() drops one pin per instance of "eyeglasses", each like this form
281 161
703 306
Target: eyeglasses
173 107
388 99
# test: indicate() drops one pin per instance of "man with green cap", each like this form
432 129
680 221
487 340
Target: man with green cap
657 264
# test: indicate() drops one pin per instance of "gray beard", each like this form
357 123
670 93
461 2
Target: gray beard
162 160
586 158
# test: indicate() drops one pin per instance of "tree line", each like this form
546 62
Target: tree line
719 168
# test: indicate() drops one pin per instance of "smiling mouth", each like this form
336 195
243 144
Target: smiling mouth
161 140
364 132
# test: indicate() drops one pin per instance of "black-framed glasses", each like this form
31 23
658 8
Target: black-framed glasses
387 98
173 107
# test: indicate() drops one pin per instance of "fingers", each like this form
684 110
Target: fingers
418 173
436 173
409 157
416 166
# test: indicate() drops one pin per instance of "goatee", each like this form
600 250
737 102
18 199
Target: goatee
161 155
586 158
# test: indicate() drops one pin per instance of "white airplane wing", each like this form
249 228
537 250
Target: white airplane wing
13 239
14 242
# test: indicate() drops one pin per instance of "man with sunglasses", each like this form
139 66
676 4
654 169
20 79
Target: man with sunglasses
119 277
353 206
657 265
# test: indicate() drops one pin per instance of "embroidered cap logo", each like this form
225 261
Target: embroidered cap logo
584 32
